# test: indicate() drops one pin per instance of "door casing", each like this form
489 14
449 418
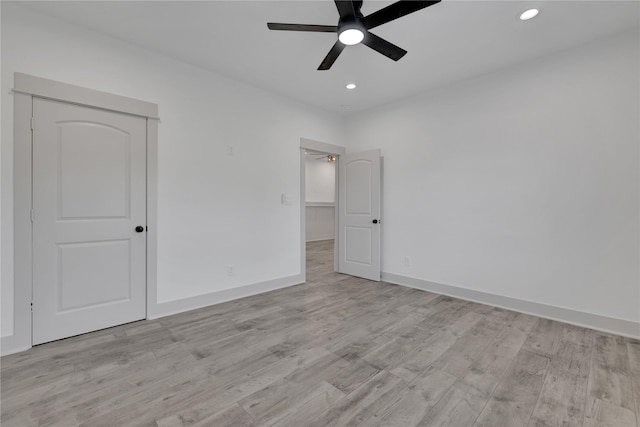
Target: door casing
26 87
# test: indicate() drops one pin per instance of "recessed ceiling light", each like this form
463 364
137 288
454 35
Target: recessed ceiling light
351 36
351 86
528 14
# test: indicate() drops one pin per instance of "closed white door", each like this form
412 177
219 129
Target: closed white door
89 195
359 218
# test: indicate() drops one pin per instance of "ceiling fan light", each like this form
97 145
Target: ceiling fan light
351 36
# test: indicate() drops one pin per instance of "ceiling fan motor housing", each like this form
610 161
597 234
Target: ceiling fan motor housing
357 30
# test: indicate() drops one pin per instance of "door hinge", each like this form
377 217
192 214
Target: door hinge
32 215
32 306
33 123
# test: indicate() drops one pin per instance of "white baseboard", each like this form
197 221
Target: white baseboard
579 318
8 345
178 306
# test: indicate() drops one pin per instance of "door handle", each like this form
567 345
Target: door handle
375 221
139 229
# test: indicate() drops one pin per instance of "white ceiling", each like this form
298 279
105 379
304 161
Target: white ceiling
449 41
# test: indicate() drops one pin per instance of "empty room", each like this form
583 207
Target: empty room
320 213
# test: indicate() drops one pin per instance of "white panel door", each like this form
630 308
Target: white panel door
359 218
89 195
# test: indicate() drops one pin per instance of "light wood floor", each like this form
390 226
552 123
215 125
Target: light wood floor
335 351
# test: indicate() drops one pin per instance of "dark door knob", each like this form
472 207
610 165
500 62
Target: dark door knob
139 229
375 221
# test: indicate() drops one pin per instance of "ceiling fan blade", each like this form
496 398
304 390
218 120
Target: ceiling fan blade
348 8
386 48
303 27
395 11
331 57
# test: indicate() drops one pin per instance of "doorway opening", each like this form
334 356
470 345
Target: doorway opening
320 213
319 168
356 210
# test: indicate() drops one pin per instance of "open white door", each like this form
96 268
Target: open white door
359 218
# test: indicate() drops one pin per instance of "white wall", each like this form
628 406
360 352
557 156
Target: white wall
521 183
214 209
320 187
320 222
320 180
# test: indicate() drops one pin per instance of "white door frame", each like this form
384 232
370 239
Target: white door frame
336 150
27 87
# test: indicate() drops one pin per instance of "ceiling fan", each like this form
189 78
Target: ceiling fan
321 156
353 27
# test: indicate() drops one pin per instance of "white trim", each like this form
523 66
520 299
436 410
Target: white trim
336 213
22 273
50 89
179 306
303 214
152 216
322 147
320 204
27 87
599 322
8 346
320 239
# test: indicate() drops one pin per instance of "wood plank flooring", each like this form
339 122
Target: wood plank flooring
336 351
